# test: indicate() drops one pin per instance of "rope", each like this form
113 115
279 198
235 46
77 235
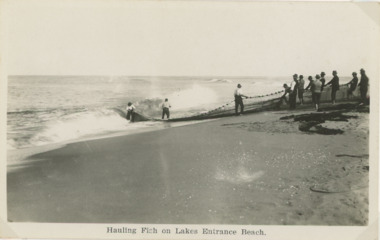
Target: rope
249 97
255 97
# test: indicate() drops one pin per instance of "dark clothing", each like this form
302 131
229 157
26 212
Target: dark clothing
300 93
239 101
363 82
353 83
316 89
293 95
131 115
334 87
363 95
333 94
293 100
334 83
363 87
309 85
323 81
316 97
165 111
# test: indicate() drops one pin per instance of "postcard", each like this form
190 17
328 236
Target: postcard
189 119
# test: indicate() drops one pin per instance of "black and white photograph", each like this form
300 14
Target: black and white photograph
189 119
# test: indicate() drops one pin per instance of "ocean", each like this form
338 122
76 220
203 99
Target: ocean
45 110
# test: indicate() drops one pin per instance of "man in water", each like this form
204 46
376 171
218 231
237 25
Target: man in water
316 89
363 86
353 83
323 80
334 86
301 85
131 112
165 109
238 94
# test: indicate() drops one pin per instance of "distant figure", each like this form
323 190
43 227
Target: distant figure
352 85
165 109
316 89
363 87
334 86
323 80
238 94
293 94
301 85
131 112
310 78
287 90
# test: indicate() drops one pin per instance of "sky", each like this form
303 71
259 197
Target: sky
193 38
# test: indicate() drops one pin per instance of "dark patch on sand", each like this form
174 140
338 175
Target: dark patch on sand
307 123
268 126
353 156
312 122
319 117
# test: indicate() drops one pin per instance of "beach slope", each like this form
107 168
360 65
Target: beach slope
262 168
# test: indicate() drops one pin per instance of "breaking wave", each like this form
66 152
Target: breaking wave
216 80
38 127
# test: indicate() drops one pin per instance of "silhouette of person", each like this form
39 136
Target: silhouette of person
238 94
363 86
334 86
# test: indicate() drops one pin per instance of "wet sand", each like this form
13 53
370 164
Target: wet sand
251 169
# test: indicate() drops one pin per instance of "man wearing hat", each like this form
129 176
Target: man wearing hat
238 94
334 86
363 86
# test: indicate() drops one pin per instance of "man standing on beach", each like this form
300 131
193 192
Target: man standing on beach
131 112
293 94
334 86
238 94
316 88
301 85
165 109
323 80
363 86
310 78
353 83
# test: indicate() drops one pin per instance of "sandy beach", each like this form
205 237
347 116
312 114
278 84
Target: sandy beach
252 169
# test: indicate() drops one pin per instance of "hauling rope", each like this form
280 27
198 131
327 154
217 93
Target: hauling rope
253 104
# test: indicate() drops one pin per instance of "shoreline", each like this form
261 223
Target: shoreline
251 169
16 158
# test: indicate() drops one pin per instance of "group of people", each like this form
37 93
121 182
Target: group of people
131 110
317 86
296 88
